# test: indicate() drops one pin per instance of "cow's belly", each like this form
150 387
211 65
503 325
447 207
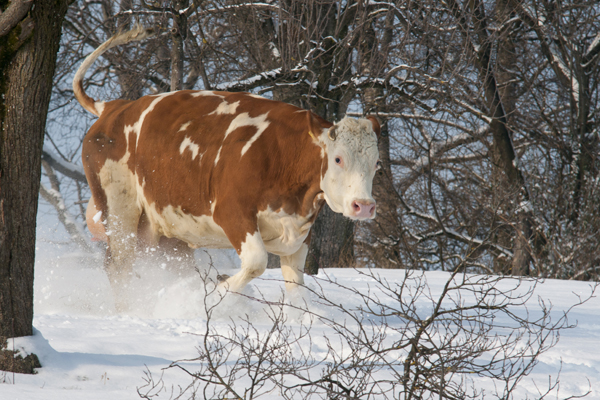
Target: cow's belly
283 234
196 231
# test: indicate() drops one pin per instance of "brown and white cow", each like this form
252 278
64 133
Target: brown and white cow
220 170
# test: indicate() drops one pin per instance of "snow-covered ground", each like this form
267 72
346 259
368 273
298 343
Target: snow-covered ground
88 351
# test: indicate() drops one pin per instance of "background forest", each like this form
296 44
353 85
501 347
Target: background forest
489 109
490 165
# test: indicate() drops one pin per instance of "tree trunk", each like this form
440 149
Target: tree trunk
502 140
27 70
506 65
178 36
332 242
505 75
387 224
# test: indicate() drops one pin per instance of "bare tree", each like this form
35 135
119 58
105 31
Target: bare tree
488 113
299 52
29 41
482 150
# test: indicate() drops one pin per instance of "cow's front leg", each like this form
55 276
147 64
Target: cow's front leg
292 268
254 258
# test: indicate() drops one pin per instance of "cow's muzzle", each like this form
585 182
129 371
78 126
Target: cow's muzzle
363 209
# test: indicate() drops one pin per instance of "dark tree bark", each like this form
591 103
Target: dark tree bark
332 242
178 36
28 57
505 84
503 146
503 149
13 14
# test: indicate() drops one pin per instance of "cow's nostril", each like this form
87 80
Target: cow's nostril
363 209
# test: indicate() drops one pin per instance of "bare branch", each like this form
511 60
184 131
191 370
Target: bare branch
16 11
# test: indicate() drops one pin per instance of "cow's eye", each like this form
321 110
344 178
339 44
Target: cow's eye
338 160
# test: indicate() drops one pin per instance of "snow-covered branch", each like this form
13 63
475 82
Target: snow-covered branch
592 51
552 51
437 148
404 67
74 228
440 121
66 168
453 234
257 80
237 7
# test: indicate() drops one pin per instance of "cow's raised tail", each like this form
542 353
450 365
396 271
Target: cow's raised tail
136 34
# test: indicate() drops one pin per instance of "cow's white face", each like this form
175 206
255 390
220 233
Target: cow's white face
352 159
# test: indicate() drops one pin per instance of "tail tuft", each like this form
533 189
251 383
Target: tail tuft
137 34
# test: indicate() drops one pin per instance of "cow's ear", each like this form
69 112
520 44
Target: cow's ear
375 123
314 126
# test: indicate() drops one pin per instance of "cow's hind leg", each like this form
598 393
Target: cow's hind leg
123 215
122 240
254 258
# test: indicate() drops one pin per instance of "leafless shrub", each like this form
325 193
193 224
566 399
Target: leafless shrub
398 339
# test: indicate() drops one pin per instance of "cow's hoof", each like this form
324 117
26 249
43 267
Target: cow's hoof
222 278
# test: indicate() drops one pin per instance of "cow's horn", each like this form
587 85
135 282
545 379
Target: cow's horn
331 133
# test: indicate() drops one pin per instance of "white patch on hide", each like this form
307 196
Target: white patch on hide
282 233
119 184
193 147
201 93
244 119
226 108
137 127
261 124
99 105
183 127
196 231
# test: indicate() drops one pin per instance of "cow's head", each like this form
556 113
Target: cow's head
352 159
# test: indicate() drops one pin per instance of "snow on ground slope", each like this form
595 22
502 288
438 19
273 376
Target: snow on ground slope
88 351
